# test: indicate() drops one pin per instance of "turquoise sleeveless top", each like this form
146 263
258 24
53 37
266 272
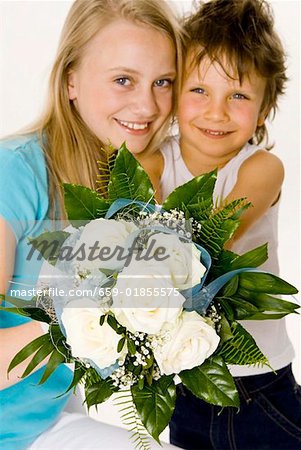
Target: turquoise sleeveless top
26 408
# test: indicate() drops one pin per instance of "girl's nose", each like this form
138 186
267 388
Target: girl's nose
144 104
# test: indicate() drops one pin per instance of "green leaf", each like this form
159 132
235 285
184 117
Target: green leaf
131 346
266 316
34 313
56 358
225 332
78 374
265 302
40 355
59 341
253 258
242 348
112 322
97 393
28 350
128 179
48 245
242 309
193 194
82 204
231 287
155 404
121 344
265 282
212 382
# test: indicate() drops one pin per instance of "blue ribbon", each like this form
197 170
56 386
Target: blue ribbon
121 203
202 296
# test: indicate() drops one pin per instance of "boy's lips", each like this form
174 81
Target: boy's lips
215 133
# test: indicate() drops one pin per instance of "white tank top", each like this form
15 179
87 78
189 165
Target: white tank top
270 335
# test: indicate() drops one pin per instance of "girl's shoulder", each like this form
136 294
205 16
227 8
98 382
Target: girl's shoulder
22 152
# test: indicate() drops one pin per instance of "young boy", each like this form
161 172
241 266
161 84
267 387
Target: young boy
235 71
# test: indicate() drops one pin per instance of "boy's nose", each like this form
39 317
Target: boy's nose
216 110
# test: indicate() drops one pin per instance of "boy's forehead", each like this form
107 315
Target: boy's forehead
198 63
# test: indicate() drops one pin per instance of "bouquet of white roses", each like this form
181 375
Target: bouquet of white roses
143 293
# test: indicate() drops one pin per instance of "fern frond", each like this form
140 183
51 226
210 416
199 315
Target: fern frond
218 226
242 348
233 209
105 167
131 419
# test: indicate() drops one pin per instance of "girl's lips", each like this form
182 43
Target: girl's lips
136 128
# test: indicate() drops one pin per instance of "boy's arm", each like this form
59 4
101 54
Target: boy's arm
259 180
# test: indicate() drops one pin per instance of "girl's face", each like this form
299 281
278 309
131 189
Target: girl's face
218 115
123 86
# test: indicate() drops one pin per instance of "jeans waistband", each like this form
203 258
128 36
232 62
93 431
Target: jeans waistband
254 383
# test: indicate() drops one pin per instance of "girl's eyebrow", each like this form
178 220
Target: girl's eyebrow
136 72
123 69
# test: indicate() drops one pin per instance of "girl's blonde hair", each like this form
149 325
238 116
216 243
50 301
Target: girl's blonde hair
71 149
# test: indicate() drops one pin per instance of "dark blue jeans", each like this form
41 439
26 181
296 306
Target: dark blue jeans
269 417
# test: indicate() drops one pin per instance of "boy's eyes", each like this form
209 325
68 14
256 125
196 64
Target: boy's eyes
239 96
198 90
235 96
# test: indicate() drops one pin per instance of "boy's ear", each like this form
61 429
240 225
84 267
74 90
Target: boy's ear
71 84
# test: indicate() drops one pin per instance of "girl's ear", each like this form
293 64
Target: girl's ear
71 83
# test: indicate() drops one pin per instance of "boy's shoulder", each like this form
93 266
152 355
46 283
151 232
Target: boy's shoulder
261 158
262 165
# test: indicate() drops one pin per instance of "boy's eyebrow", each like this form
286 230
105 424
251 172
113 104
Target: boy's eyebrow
136 72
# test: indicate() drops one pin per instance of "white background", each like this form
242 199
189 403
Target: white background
28 38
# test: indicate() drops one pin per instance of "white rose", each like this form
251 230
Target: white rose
183 259
144 298
86 337
98 235
190 343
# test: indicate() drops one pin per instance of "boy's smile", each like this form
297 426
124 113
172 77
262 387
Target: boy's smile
218 115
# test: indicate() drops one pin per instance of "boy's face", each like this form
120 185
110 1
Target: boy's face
218 115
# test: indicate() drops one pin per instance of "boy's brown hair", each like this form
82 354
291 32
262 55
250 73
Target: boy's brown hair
243 32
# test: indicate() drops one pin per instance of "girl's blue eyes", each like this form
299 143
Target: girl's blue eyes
124 81
163 83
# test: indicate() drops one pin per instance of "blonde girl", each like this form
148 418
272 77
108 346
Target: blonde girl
114 80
